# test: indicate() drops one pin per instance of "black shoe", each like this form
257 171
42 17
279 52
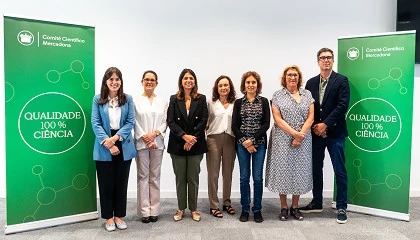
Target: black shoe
145 219
244 217
311 208
341 216
284 214
296 213
258 217
154 218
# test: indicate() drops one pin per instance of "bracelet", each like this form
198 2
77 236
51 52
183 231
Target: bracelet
113 142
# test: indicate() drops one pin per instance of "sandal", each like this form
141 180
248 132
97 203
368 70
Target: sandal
196 216
216 212
229 209
178 215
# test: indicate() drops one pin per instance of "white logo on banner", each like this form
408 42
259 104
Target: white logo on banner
25 38
353 53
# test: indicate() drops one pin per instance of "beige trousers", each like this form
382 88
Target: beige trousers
149 164
221 149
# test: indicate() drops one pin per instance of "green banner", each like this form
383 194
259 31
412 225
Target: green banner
49 86
380 69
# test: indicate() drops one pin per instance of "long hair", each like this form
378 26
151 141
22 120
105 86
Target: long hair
232 93
180 95
105 90
297 69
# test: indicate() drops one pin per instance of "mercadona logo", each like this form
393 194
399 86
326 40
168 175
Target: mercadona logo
25 38
353 53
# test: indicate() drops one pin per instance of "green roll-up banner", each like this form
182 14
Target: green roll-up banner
380 69
49 86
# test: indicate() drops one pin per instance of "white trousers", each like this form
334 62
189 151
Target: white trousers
149 164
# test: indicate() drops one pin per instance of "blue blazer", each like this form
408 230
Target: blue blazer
101 128
332 110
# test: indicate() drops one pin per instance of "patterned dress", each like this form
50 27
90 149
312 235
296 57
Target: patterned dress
289 169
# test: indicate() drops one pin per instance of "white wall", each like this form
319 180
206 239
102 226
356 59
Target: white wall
212 37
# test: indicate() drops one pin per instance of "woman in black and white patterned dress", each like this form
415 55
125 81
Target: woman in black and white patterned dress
289 158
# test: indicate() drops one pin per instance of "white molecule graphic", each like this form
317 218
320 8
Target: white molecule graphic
9 88
394 74
364 186
47 195
76 66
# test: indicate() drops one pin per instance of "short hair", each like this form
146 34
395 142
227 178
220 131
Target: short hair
149 71
232 93
256 76
324 50
293 67
180 95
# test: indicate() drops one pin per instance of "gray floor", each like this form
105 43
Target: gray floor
314 226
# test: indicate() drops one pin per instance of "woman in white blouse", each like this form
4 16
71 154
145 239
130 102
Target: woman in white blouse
221 144
149 130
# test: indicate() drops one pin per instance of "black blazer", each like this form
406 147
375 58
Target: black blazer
237 120
193 124
332 110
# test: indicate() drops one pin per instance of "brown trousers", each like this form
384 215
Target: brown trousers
221 149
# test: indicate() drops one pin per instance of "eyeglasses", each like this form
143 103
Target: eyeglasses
323 58
149 80
291 75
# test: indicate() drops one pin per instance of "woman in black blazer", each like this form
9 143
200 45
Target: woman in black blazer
187 119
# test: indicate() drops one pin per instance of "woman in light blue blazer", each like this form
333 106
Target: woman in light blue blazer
112 122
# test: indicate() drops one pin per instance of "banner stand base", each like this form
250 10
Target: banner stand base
376 212
22 227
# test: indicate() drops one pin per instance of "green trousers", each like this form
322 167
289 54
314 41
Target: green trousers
187 177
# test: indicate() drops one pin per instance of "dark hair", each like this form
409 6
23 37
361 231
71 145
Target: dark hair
324 50
180 95
293 67
256 76
232 93
152 72
105 90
